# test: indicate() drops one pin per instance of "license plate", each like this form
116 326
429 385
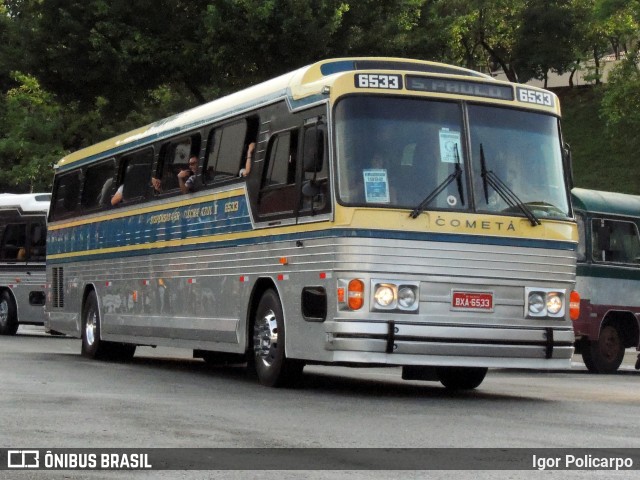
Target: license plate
473 301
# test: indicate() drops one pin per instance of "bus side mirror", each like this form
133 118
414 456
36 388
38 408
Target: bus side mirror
313 159
313 150
567 159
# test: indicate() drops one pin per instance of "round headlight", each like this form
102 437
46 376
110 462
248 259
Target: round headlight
384 295
536 303
406 297
554 303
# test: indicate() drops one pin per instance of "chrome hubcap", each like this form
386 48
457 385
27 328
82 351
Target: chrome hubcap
90 328
265 337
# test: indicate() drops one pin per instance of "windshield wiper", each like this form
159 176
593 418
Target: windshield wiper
501 188
456 175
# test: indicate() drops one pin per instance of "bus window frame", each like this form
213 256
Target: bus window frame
213 149
592 238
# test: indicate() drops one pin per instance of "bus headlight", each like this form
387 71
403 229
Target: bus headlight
390 295
407 297
545 303
385 296
554 303
536 303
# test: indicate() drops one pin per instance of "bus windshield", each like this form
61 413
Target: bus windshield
402 153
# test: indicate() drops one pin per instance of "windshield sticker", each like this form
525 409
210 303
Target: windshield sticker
450 146
376 185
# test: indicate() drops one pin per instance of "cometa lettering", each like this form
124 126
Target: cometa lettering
476 225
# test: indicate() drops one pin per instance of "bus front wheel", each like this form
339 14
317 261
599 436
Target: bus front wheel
605 354
8 315
92 345
271 364
461 378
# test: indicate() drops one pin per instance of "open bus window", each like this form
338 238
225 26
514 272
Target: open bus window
174 157
98 185
615 241
136 174
14 243
224 152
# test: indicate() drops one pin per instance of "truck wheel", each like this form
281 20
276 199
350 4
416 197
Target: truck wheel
92 345
8 315
271 364
605 354
461 378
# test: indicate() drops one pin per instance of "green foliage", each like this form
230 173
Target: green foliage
31 128
598 162
95 68
621 103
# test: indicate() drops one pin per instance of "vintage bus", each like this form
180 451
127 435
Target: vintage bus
608 277
23 232
396 212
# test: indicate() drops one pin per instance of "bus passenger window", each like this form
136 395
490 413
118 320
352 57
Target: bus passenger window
174 157
98 185
224 152
65 196
615 241
14 243
136 176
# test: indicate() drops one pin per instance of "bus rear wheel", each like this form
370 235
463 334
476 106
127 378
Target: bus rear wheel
92 345
605 354
271 364
461 378
8 315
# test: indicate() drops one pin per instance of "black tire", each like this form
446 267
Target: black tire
461 378
605 354
92 345
8 315
270 362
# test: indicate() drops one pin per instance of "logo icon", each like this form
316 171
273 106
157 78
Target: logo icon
23 459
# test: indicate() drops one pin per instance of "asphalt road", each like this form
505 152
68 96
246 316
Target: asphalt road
51 397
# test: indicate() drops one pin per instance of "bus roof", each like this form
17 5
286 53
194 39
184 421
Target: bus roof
300 87
26 202
606 202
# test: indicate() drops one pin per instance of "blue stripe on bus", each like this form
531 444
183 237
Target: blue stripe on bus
223 217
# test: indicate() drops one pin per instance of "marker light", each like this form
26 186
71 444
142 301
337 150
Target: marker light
355 294
574 305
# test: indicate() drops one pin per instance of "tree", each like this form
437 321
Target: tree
548 39
483 33
31 125
118 49
621 102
